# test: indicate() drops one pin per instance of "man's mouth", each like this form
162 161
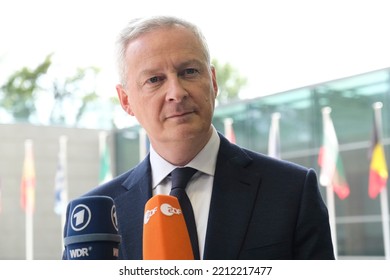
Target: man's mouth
180 114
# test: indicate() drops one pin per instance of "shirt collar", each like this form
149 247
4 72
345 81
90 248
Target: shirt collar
204 161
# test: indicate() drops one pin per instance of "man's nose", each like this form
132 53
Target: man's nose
175 90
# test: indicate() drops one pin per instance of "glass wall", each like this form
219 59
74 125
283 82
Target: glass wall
358 218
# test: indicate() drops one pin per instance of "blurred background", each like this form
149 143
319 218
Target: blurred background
294 76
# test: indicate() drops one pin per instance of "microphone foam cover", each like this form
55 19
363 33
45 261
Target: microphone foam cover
165 235
92 229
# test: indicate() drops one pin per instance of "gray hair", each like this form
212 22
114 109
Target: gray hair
139 26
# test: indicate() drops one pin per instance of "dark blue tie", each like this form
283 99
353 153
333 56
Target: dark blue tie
180 178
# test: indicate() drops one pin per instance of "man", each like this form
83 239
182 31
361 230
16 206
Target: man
246 205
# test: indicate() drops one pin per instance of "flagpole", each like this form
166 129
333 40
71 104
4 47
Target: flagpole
385 222
332 216
383 194
228 128
102 142
274 136
29 221
64 194
142 144
105 172
29 236
330 202
1 197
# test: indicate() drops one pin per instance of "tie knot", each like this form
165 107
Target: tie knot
181 177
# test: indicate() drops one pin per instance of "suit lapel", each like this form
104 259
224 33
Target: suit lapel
130 209
234 193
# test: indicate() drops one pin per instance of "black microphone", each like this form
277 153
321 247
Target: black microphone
92 229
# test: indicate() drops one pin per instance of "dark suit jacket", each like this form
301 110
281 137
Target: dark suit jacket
261 208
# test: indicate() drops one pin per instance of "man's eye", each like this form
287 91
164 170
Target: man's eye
191 71
153 80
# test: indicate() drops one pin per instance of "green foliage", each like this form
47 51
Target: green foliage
229 82
20 88
23 88
70 96
73 91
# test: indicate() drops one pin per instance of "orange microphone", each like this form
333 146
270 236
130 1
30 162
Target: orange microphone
165 235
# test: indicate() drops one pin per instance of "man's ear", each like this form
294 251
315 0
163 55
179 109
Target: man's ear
124 99
214 79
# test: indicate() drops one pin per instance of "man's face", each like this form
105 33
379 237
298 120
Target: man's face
171 88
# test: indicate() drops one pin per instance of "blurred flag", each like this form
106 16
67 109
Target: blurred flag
144 144
378 172
332 169
61 181
274 137
229 132
28 179
105 173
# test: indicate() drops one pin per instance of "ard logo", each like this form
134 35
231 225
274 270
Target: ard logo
81 216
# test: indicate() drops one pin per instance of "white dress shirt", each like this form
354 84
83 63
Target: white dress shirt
200 186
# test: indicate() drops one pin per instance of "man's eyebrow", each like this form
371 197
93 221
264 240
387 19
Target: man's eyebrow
191 62
181 65
149 71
